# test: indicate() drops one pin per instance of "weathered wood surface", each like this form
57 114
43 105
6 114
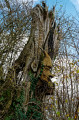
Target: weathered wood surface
44 34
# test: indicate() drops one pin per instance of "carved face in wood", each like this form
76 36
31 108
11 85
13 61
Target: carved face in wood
47 62
46 74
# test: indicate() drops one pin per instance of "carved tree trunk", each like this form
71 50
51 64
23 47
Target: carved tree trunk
40 49
44 34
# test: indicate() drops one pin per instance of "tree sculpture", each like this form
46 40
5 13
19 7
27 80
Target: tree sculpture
34 63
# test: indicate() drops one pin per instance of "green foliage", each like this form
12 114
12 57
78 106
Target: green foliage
70 118
34 110
12 99
8 118
16 111
34 107
16 108
42 66
6 93
18 105
34 80
77 71
58 113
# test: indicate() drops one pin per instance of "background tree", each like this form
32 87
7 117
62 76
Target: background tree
15 25
65 104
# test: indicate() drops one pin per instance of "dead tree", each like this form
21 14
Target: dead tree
37 55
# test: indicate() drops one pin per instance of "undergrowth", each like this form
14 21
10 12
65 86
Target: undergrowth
34 112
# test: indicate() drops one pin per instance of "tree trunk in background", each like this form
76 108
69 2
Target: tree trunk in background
44 38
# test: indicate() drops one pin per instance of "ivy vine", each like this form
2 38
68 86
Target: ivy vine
34 111
34 107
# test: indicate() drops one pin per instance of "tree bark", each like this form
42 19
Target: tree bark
41 49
